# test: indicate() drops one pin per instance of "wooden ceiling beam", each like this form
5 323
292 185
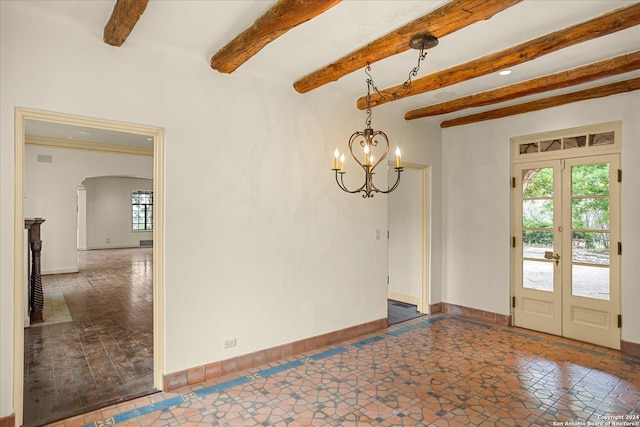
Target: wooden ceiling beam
280 18
608 23
449 18
554 101
597 70
124 17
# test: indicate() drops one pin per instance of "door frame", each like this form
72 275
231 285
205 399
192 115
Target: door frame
518 158
425 224
21 116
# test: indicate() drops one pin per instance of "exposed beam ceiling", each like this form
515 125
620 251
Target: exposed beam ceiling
554 101
589 41
449 18
124 17
608 23
606 68
280 18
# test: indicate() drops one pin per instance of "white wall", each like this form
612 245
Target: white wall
109 212
261 245
51 193
476 164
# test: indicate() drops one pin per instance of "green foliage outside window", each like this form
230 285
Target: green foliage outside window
589 205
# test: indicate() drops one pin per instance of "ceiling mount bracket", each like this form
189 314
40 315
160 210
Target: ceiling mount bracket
423 41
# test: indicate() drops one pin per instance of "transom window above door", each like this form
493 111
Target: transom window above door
584 141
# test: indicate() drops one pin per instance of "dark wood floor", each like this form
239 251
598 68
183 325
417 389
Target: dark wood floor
105 353
401 312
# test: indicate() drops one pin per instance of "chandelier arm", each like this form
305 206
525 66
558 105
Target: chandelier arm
399 170
343 187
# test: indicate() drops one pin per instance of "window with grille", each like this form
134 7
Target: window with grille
142 210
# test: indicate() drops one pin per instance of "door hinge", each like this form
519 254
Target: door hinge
388 234
619 175
513 242
387 279
513 182
513 302
619 248
619 320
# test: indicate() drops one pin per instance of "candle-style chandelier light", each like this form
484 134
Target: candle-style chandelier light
370 139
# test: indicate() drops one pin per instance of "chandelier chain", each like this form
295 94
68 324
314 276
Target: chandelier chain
414 71
395 94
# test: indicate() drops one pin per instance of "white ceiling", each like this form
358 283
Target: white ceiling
199 28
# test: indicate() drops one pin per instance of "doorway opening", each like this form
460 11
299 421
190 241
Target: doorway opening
100 277
408 243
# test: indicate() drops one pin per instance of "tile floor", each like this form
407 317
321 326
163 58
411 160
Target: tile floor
104 352
441 371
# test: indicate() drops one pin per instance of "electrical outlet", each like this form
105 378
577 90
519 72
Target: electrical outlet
230 343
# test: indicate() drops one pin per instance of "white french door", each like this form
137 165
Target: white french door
566 262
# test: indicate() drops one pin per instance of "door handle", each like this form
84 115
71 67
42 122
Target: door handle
551 255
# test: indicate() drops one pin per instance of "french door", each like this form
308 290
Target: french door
566 262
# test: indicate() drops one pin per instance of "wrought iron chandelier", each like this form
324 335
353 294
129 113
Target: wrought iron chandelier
370 139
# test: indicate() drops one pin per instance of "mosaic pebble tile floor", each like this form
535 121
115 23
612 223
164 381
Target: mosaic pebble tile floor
440 371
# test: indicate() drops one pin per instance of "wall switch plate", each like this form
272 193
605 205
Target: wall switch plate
230 343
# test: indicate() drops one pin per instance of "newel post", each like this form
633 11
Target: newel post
36 295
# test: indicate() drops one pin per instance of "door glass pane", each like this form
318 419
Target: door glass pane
605 138
537 228
537 213
552 145
590 213
575 142
590 180
535 243
590 281
590 248
531 147
590 245
537 275
537 183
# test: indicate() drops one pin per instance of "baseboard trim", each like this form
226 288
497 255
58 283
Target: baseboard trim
435 308
476 314
9 421
213 370
630 348
63 270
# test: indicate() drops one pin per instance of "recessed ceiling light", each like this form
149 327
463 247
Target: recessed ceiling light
84 132
505 72
149 139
